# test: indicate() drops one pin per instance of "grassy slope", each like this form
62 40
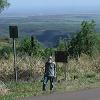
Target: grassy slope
22 90
85 72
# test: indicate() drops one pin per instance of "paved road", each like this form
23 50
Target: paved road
92 94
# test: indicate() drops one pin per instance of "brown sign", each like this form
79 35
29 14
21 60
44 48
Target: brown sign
13 30
61 56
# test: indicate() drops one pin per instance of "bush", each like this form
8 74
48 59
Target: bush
48 52
90 75
84 41
25 46
3 88
5 52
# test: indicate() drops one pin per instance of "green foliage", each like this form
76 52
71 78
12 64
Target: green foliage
38 49
3 4
62 44
26 47
88 33
90 75
5 52
98 42
48 52
84 41
22 90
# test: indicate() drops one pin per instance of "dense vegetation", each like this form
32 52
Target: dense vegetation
83 47
84 42
83 65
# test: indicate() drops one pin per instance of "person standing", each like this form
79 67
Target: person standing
49 74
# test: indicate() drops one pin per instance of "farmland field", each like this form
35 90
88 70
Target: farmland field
47 28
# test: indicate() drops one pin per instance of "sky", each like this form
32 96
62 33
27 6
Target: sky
39 7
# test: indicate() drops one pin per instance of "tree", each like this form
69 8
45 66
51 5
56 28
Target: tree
3 4
84 41
5 52
62 44
88 37
26 47
48 52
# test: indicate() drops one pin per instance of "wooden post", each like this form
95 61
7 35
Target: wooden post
65 70
56 71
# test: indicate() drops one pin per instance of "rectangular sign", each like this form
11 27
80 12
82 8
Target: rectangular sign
61 56
13 31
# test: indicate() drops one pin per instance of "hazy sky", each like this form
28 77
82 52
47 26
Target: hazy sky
52 6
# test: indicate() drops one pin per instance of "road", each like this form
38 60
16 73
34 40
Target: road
92 94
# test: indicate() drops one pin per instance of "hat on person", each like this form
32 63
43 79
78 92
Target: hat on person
50 57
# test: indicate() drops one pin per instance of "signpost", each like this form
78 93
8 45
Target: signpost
13 31
62 56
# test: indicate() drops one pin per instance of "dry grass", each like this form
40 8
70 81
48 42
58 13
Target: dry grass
3 89
84 65
25 64
82 73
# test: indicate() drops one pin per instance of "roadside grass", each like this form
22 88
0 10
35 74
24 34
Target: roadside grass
81 74
27 89
78 84
21 90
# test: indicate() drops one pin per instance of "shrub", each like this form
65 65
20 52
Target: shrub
84 41
25 46
5 52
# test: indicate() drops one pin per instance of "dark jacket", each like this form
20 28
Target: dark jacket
50 69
